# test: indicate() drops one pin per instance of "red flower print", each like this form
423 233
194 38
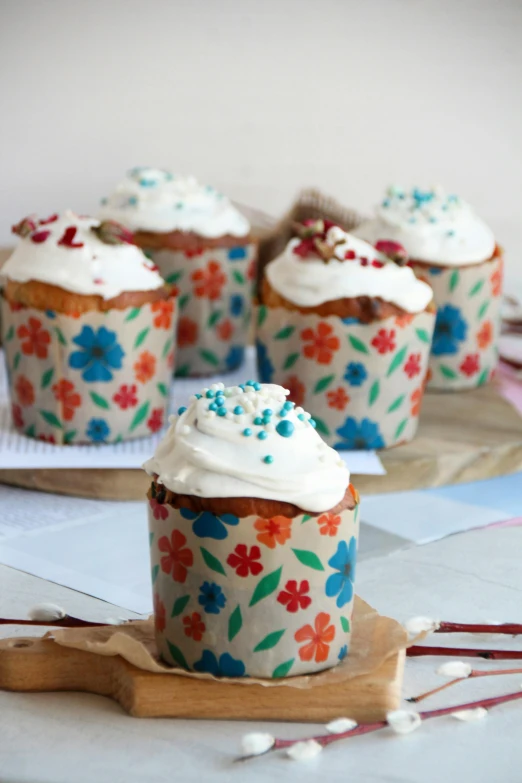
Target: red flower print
496 280
35 338
160 615
177 557
322 343
296 388
65 393
15 306
194 626
384 341
224 329
47 438
470 365
416 401
337 399
244 562
273 531
18 419
294 597
193 252
412 366
187 331
155 421
485 335
403 320
170 360
164 309
24 390
209 281
145 367
318 639
328 524
126 396
252 269
159 510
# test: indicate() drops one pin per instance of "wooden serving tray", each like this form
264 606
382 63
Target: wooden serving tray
37 665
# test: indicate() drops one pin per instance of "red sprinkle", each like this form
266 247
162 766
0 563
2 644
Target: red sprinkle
51 219
67 239
98 281
377 263
350 255
364 262
40 236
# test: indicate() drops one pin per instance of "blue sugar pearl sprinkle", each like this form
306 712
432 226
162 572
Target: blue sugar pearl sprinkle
222 412
285 428
268 459
212 406
288 405
197 396
249 383
301 416
247 431
210 394
182 410
262 435
220 401
257 386
282 412
238 410
312 422
267 412
258 420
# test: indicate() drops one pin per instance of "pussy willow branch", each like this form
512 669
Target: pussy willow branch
417 650
474 674
512 629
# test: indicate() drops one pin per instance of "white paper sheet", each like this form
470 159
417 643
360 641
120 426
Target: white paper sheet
17 451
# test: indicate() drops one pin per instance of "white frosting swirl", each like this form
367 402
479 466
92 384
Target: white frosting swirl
81 262
432 226
156 200
227 445
310 281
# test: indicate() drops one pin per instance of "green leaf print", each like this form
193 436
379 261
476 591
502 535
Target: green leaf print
423 335
183 371
51 418
397 360
483 309
154 573
10 334
47 378
151 539
261 314
374 392
308 558
31 431
320 426
266 586
270 641
400 429
174 277
140 414
356 513
238 276
305 518
179 604
162 389
214 318
167 347
290 360
284 333
100 401
235 623
212 562
177 655
345 623
454 280
209 356
141 337
396 404
59 334
16 360
69 436
357 344
483 377
183 300
283 668
133 313
323 383
447 372
476 288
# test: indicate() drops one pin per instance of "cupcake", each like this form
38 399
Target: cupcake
203 244
453 250
88 331
348 332
253 538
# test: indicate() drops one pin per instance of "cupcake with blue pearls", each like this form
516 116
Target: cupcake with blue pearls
203 244
253 537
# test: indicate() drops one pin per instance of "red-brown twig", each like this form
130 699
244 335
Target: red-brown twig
328 739
417 650
512 629
63 622
472 675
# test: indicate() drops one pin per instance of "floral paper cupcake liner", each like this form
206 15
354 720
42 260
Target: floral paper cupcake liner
215 293
252 597
100 377
362 383
464 352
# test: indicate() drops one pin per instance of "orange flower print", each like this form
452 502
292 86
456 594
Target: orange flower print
160 614
273 531
194 626
296 388
416 401
496 280
187 331
65 393
318 639
485 335
337 399
24 390
34 338
145 367
328 524
321 344
224 329
170 360
177 557
403 320
164 309
209 281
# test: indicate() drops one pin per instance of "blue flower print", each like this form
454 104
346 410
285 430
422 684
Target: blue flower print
435 270
234 357
236 304
208 525
226 667
343 652
355 374
341 583
350 320
98 430
237 253
450 329
211 598
50 314
265 367
359 435
100 354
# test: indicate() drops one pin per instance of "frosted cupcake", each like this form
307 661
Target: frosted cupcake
253 536
203 244
455 252
88 330
348 332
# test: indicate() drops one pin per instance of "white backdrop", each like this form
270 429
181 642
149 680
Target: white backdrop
261 98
